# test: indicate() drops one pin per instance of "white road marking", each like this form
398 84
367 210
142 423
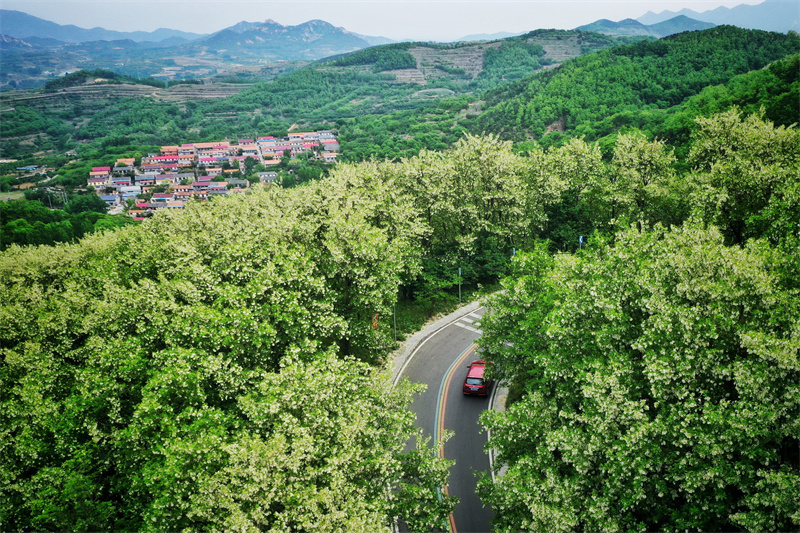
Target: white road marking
419 346
465 326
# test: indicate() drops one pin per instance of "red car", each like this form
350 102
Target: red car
475 383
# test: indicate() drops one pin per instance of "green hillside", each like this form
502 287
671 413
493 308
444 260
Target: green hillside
344 88
658 87
774 89
644 76
393 100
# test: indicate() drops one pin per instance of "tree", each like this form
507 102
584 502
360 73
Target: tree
569 188
477 201
48 198
743 167
86 202
651 372
365 234
641 174
7 183
192 372
331 465
250 165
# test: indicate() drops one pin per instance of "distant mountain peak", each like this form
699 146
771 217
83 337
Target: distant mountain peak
770 15
672 26
22 25
310 40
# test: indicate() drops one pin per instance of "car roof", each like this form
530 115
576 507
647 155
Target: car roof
476 369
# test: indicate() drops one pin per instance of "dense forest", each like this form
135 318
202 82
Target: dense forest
645 76
105 76
31 222
154 376
148 370
655 372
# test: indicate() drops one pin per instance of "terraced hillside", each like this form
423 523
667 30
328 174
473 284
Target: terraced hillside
112 91
34 120
465 62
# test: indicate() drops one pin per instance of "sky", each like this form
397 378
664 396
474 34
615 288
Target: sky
425 20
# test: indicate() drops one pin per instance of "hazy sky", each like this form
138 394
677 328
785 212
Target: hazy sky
434 20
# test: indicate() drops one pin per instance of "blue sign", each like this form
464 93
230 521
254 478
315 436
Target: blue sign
580 239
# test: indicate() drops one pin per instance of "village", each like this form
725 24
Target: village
199 171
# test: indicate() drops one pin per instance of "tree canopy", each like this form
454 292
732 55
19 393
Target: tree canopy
656 372
154 376
175 375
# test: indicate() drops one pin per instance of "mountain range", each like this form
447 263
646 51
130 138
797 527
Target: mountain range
21 25
770 15
36 50
24 26
658 30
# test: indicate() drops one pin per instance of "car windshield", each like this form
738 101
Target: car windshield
474 381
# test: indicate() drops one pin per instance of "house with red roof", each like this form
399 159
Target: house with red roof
162 197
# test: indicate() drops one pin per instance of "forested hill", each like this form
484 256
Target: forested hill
658 86
647 75
402 76
97 76
392 101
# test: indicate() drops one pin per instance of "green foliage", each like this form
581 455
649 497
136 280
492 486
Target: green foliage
29 222
156 377
42 131
512 60
646 75
86 202
376 55
7 183
651 369
83 76
478 202
645 367
393 57
774 90
46 197
745 167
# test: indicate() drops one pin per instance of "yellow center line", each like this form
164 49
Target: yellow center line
439 426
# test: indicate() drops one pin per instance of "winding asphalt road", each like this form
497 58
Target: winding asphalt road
439 357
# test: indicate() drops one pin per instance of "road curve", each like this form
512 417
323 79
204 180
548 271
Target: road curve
438 356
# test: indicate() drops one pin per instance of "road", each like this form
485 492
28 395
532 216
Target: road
440 360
